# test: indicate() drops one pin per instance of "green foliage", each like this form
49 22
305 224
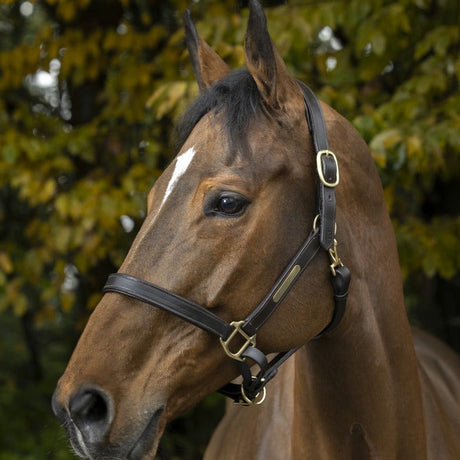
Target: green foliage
89 92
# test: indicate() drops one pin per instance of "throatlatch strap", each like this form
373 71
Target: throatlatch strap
340 283
327 168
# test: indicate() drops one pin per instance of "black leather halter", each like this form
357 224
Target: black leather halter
243 333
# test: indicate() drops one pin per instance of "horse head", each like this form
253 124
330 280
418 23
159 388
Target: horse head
223 221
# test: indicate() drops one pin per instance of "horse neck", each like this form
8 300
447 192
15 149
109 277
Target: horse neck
362 384
362 378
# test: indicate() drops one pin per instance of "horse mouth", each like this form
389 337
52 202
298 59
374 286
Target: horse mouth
148 438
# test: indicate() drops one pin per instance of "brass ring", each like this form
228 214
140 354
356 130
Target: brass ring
250 402
315 223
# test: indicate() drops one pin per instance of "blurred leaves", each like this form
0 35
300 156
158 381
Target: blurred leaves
90 90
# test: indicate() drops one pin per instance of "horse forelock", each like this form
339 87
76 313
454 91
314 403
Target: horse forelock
236 98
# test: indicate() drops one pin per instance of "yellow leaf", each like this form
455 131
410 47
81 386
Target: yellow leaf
62 239
20 305
67 301
385 140
62 205
66 10
389 193
5 263
414 146
47 191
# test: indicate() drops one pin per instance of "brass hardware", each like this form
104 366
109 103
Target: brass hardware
315 224
320 168
290 278
255 401
249 340
334 257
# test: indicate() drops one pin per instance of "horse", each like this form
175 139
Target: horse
253 204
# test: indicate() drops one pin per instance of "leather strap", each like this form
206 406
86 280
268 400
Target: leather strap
282 286
340 283
172 303
254 384
203 318
326 195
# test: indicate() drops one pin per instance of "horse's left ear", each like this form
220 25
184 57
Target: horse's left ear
207 64
275 83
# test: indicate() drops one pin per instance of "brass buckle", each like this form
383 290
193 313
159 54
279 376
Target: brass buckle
335 259
319 167
249 340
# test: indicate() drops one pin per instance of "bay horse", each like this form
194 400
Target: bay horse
254 204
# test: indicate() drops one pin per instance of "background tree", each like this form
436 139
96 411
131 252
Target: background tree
89 91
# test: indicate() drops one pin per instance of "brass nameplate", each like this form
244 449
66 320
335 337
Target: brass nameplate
290 278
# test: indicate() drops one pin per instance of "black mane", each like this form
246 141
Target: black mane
235 96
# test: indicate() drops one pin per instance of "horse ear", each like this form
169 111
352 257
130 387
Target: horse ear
263 60
207 64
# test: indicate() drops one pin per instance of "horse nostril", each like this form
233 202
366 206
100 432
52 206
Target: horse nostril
91 409
88 406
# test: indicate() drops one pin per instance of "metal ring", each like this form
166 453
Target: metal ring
250 402
315 224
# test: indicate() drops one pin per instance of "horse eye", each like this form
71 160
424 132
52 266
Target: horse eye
228 204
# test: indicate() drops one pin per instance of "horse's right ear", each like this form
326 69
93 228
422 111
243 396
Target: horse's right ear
276 85
207 64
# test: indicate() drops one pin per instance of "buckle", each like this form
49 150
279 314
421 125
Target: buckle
319 167
249 340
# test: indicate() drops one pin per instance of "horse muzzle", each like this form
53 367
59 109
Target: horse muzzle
88 418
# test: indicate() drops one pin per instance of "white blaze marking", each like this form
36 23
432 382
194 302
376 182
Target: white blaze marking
182 163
